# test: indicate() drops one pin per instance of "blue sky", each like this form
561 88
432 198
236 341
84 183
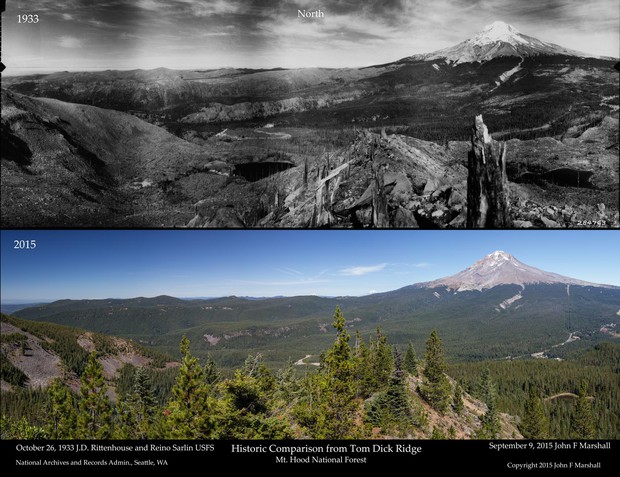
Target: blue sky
188 263
188 34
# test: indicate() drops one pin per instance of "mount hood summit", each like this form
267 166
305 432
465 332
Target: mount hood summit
501 268
496 40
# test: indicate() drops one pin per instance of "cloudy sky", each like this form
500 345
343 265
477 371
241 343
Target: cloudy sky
197 263
127 34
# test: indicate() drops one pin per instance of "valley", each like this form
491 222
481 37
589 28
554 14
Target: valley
498 307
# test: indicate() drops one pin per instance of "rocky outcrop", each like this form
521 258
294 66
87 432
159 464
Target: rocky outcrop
30 356
395 181
31 353
379 181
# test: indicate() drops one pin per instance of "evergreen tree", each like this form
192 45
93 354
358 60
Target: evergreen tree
249 411
534 424
11 428
457 399
255 368
61 413
143 392
211 372
287 384
490 420
250 388
411 365
381 361
397 397
306 410
330 406
191 412
582 422
139 411
363 374
339 390
436 388
94 418
391 409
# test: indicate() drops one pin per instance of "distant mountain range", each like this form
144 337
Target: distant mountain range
10 308
497 308
162 148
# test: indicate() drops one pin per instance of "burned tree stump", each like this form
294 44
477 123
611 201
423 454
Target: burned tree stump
487 184
380 218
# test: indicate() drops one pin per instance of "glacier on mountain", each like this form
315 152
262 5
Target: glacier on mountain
496 40
501 268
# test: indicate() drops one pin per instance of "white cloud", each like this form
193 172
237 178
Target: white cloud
361 270
99 23
152 5
212 7
421 265
214 33
67 41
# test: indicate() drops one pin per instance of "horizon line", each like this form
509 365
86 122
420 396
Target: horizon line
7 73
257 298
52 300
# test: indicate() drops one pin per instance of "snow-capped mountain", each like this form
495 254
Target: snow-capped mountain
501 268
495 40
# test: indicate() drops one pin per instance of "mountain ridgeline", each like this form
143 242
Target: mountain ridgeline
229 94
499 308
173 148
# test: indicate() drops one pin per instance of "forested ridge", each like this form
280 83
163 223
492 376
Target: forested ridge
558 386
363 388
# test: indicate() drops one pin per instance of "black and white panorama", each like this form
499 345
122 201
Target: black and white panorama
276 114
